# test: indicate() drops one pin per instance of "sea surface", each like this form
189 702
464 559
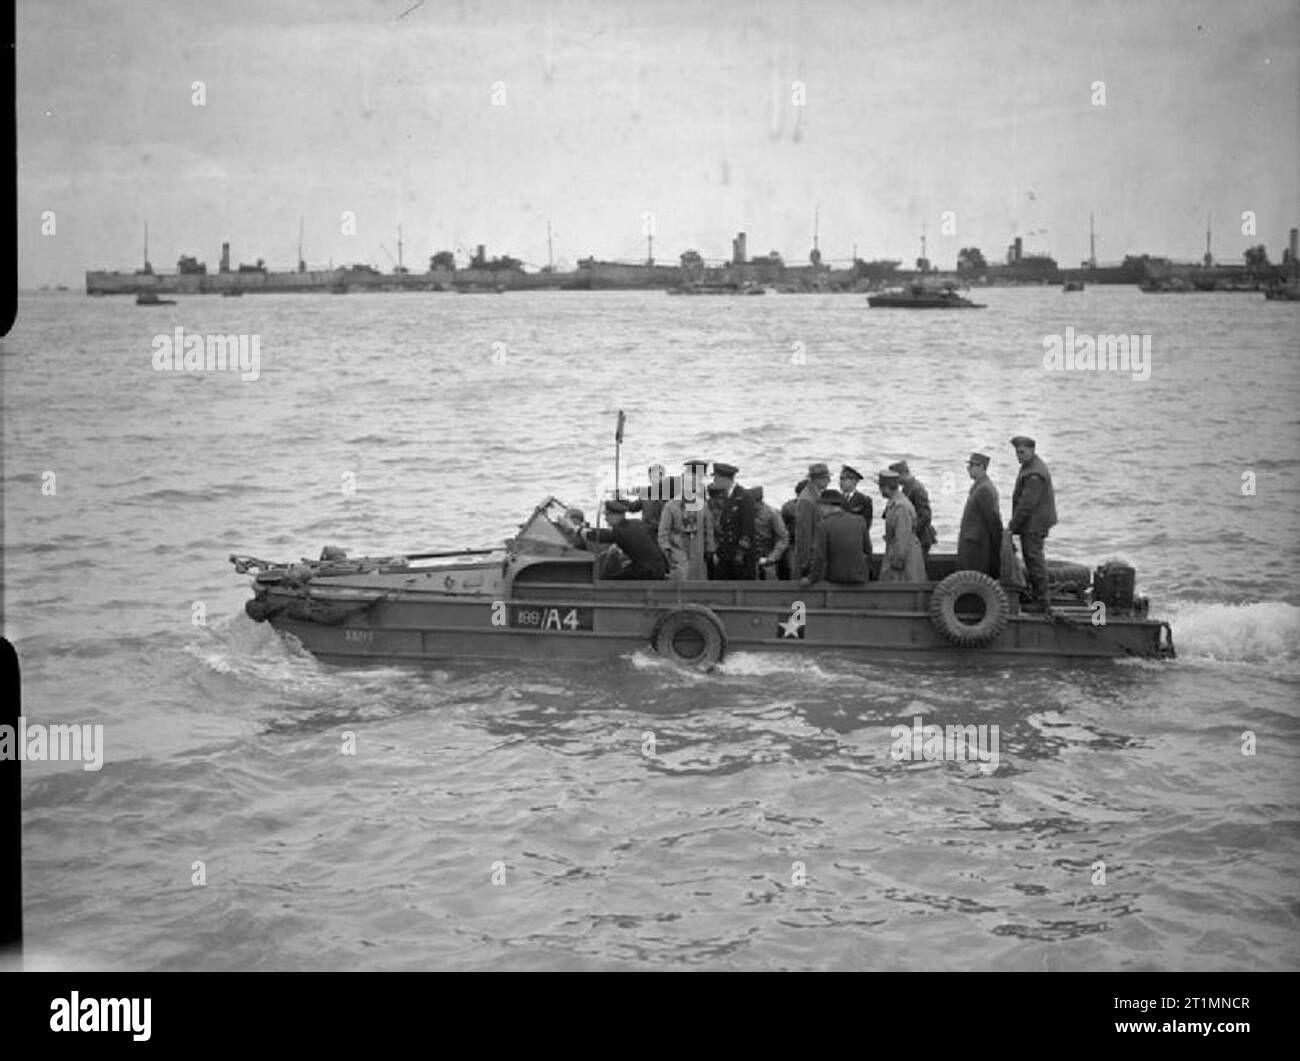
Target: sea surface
507 816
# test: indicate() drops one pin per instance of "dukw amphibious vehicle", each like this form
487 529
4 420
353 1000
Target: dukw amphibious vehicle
540 596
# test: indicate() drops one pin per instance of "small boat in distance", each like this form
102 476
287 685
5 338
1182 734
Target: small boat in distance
234 292
150 298
1072 285
918 296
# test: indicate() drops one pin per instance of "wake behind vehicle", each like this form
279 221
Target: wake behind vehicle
541 596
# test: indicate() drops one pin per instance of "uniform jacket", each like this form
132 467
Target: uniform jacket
686 534
637 543
903 559
1033 502
920 499
859 504
807 514
840 549
735 528
979 543
770 536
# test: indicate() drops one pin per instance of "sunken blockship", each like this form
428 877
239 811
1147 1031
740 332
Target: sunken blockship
540 596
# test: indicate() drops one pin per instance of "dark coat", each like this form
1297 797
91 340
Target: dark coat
979 543
736 525
1033 502
634 538
859 504
840 549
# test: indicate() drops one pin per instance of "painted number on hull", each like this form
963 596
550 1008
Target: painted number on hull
550 620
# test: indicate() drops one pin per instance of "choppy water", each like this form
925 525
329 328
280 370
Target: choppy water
223 743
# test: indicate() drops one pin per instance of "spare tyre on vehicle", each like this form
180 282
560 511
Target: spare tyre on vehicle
692 636
969 608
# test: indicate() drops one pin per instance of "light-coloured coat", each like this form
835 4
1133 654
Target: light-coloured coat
903 561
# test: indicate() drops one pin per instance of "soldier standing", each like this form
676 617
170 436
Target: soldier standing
737 558
979 543
770 536
1033 514
807 514
903 561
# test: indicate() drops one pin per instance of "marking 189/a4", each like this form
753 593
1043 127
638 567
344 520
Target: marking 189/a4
549 619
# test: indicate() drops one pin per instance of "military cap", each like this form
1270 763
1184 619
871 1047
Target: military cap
1023 440
696 464
817 470
727 471
615 505
900 467
576 515
889 475
978 458
851 472
831 497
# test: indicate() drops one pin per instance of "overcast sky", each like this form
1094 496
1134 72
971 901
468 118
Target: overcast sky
685 109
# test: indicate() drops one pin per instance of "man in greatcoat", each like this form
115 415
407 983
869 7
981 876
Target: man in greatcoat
807 514
979 542
686 530
903 560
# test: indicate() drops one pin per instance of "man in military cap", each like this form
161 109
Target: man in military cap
903 560
979 542
770 536
807 514
645 559
856 502
1033 514
841 549
737 557
917 494
686 528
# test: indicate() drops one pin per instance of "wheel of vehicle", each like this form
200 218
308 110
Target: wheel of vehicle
691 636
969 608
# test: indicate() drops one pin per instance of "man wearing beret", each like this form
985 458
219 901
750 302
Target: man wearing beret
807 514
686 528
1033 514
737 557
903 561
979 542
645 559
916 493
840 545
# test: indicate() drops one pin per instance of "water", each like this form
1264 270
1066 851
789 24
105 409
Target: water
223 744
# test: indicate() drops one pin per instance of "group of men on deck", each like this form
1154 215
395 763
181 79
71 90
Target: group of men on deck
725 531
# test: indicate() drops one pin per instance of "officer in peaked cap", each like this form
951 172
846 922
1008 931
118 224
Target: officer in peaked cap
736 515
